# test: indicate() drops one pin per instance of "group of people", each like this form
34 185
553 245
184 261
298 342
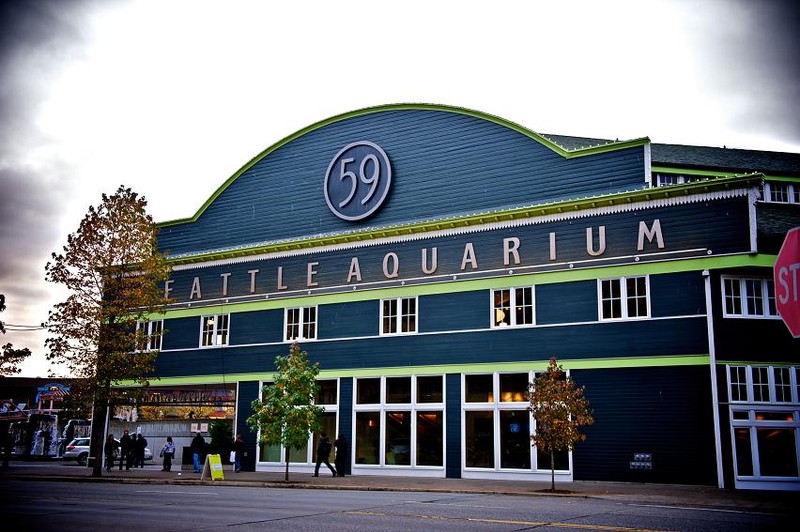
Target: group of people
324 448
131 450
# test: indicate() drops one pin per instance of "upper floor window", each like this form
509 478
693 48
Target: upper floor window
623 298
151 332
781 192
748 297
214 330
663 180
301 323
512 306
399 315
763 384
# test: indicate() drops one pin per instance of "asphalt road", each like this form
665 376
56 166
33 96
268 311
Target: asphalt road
68 506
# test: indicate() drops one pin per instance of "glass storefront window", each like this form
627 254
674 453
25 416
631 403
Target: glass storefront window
479 388
777 452
744 457
514 387
398 438
429 389
368 437
398 389
515 441
328 391
430 438
479 434
368 391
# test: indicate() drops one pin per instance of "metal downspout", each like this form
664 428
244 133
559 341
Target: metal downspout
714 393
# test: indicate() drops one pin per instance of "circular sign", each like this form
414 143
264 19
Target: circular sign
787 281
357 181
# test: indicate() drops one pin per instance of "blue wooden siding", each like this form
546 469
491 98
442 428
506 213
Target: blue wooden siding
181 333
256 327
566 302
443 163
458 311
348 320
346 416
453 426
663 411
678 294
640 338
248 391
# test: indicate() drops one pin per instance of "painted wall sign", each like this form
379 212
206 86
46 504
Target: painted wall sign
358 181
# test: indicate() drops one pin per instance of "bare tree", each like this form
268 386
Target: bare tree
113 270
10 358
560 409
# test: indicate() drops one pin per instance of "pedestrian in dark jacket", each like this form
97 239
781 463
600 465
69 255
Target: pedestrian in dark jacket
323 454
198 448
125 444
340 460
238 449
141 443
109 448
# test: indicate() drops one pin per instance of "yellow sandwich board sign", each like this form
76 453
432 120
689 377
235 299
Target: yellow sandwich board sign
213 465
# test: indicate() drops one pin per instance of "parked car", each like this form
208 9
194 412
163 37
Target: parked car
78 449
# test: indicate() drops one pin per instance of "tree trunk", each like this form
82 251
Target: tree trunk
552 471
286 473
97 441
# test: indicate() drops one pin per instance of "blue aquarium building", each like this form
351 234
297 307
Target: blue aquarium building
433 259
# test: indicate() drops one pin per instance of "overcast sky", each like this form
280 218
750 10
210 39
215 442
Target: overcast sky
171 97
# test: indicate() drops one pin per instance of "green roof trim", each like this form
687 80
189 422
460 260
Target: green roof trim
568 154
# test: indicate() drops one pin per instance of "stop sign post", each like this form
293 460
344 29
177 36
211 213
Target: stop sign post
787 281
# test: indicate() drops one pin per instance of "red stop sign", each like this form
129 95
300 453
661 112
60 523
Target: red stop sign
787 281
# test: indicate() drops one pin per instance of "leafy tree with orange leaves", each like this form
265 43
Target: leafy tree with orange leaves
560 409
113 272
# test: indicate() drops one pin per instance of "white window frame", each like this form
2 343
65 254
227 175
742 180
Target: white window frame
665 179
154 330
624 298
413 408
512 307
778 377
745 297
216 325
308 318
750 414
496 405
398 317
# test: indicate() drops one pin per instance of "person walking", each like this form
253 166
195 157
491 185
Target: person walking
340 460
168 451
323 454
109 448
125 444
238 449
198 447
141 444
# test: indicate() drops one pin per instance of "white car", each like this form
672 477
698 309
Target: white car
78 449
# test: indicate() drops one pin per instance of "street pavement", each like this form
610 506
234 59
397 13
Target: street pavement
784 502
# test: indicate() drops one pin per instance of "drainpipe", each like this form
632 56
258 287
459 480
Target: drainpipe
712 352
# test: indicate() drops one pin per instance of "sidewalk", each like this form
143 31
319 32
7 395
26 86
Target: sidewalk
783 502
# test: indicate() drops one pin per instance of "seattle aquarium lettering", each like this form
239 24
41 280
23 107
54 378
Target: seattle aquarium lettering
388 266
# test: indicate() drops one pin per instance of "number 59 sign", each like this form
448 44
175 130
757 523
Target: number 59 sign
357 181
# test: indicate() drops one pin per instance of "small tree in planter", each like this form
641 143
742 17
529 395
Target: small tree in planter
286 415
560 409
